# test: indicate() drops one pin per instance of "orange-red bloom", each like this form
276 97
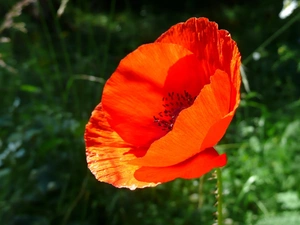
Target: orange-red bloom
165 107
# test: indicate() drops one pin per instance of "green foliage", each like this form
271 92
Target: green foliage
291 218
51 77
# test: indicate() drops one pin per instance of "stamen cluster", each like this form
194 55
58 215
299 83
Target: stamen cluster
173 104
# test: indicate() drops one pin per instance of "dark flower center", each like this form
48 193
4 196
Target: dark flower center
173 104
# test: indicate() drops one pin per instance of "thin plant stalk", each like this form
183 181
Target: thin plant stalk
219 196
272 37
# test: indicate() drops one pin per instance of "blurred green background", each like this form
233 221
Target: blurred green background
54 61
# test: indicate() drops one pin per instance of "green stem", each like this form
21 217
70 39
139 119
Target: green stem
200 192
219 196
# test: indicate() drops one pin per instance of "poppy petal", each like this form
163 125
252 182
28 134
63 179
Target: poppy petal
133 95
203 38
217 131
107 154
193 125
194 167
199 35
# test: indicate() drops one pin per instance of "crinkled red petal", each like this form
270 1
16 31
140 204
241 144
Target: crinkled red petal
193 167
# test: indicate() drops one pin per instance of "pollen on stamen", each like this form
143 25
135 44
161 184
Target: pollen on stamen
173 106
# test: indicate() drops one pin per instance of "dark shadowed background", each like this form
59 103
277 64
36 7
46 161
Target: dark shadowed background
52 71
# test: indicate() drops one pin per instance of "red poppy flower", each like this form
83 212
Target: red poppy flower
165 107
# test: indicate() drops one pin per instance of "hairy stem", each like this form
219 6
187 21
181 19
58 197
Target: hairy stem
219 196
